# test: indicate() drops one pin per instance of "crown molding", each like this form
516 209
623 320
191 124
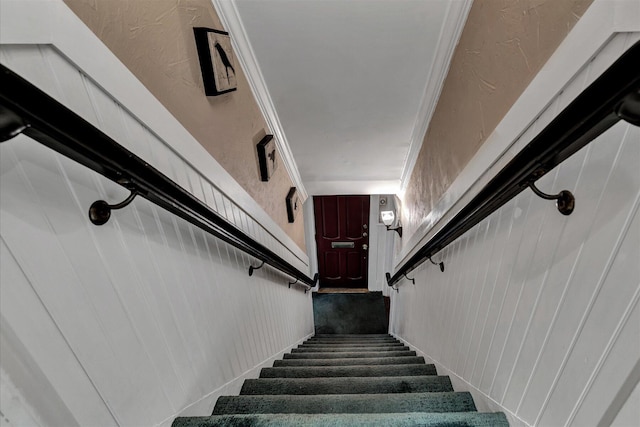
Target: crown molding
230 17
450 33
319 187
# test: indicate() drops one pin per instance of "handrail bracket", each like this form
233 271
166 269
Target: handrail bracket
413 280
440 264
565 201
100 211
11 124
252 268
629 109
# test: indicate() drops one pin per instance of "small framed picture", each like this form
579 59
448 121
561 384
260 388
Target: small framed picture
217 62
293 204
267 157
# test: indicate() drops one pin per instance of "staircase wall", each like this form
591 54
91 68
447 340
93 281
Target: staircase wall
155 41
146 317
537 313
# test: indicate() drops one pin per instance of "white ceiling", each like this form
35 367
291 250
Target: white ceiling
351 82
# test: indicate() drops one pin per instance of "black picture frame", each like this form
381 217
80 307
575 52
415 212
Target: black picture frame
267 157
294 205
217 61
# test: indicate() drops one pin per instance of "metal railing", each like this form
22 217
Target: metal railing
614 96
26 109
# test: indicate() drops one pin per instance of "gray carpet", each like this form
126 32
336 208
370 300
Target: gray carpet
353 361
339 383
348 371
350 313
350 345
345 404
348 355
352 420
351 385
350 349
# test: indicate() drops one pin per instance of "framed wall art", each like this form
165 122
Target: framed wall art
267 157
217 62
294 205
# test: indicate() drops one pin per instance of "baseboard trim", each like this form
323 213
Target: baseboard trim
232 387
488 404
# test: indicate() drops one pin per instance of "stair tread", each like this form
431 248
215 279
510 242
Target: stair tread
352 336
347 355
347 385
434 402
350 361
353 344
381 344
449 419
351 340
348 379
346 349
348 371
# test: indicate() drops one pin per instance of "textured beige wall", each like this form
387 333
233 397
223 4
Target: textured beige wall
154 39
503 46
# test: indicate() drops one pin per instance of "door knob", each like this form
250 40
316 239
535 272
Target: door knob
365 247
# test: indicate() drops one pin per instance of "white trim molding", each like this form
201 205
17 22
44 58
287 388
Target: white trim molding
600 23
230 17
207 402
483 401
455 19
51 22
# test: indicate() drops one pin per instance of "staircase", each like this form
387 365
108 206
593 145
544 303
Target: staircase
348 380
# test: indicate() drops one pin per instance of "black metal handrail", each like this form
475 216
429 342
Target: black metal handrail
614 96
26 109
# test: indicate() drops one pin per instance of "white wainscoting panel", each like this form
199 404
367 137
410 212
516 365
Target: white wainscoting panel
137 320
537 313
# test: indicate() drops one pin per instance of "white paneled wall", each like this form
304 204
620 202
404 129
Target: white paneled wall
141 319
537 313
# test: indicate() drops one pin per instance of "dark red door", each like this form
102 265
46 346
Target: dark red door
342 236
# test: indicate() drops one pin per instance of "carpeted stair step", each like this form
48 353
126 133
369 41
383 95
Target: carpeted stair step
319 348
348 340
410 360
347 349
356 336
451 419
346 403
354 344
348 385
352 337
348 371
342 355
382 344
343 342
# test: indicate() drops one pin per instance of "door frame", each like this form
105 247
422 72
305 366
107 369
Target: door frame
377 232
344 203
